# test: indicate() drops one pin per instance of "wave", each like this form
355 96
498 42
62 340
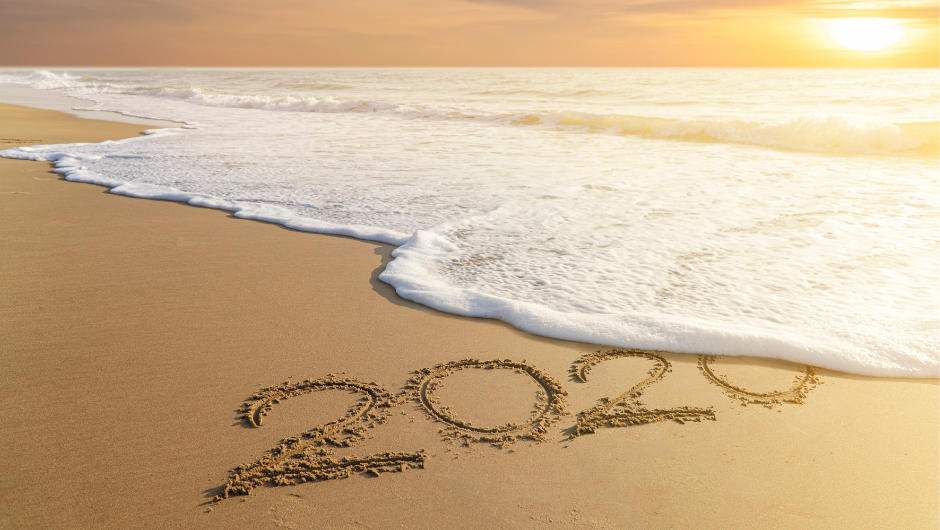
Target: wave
823 132
208 98
312 86
808 132
415 275
530 92
71 166
46 80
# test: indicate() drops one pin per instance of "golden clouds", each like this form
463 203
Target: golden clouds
453 33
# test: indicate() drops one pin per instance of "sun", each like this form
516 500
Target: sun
865 34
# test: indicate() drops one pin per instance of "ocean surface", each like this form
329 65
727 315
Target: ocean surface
790 214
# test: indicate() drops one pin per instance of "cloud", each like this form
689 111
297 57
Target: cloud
642 6
95 11
814 8
915 13
433 32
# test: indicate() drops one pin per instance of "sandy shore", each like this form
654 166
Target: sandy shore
133 331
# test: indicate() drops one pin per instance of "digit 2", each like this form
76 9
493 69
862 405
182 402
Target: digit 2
305 458
625 410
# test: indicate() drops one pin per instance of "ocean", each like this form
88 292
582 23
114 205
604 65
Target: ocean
781 213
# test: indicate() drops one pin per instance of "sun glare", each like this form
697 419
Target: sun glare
865 34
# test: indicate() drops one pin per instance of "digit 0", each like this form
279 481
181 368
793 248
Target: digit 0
549 407
804 382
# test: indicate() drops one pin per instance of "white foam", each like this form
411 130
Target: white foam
836 132
70 165
19 94
712 244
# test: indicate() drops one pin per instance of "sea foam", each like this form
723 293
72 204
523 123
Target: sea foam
836 132
787 233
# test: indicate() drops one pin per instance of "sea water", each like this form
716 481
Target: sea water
790 214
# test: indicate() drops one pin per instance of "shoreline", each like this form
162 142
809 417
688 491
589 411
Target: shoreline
137 328
24 96
610 330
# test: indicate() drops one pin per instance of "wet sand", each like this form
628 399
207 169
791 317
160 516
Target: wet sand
141 341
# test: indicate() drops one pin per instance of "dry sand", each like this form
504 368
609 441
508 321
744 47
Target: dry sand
132 332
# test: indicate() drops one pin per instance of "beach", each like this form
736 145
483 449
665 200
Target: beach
134 331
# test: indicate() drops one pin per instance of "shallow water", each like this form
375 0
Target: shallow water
777 213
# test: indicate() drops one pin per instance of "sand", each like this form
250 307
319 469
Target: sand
141 342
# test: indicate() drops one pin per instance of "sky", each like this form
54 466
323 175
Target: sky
589 33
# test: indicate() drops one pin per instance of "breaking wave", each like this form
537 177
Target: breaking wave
823 132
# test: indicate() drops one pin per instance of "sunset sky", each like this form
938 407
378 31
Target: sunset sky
455 33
